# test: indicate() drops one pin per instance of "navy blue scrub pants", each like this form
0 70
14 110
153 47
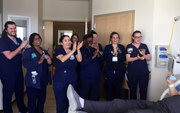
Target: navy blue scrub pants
13 82
114 80
36 99
124 106
60 90
89 90
136 79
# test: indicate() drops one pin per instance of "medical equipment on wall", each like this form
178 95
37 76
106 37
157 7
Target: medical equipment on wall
174 65
177 18
162 58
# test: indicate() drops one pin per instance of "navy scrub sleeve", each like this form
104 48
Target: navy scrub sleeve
138 65
114 66
65 74
137 72
90 68
13 66
65 71
30 62
114 71
11 74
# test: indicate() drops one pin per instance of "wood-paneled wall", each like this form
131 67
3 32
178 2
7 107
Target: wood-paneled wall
122 22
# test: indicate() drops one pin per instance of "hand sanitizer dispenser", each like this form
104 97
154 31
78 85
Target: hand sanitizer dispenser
162 58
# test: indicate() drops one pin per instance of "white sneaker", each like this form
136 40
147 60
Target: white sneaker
69 111
73 97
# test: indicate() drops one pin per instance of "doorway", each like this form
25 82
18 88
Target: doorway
22 25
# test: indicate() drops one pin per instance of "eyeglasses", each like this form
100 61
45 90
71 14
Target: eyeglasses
37 38
137 37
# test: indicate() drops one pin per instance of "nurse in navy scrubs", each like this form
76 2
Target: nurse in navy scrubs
74 38
114 56
65 72
11 67
97 46
36 60
89 70
137 55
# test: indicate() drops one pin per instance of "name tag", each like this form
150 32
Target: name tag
129 50
33 55
72 57
114 59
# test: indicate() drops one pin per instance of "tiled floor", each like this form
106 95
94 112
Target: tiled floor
50 105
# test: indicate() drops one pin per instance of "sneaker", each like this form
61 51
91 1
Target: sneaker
73 97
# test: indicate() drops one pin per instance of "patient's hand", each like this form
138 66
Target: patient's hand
169 81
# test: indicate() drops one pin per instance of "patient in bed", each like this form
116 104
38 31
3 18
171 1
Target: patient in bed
167 105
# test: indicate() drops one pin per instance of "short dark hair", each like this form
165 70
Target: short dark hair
31 38
4 33
62 37
114 33
93 32
87 36
137 31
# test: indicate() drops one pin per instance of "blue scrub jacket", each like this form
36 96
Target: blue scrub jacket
30 61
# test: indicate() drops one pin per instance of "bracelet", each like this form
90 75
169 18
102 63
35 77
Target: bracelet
171 85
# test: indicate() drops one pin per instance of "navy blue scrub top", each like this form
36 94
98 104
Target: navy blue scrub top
65 71
13 66
114 66
30 61
89 68
138 65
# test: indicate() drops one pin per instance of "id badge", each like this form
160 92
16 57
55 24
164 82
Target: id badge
72 57
114 59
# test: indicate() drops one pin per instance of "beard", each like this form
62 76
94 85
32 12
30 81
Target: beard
11 35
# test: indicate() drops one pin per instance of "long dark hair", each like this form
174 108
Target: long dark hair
31 38
75 34
4 33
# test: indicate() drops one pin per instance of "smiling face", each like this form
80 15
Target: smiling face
89 41
115 39
66 42
11 30
137 38
74 39
37 41
95 38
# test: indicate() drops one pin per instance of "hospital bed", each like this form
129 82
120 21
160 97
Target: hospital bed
164 94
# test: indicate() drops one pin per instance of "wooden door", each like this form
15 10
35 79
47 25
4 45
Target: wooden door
48 36
122 22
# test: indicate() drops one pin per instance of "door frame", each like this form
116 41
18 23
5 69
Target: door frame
26 18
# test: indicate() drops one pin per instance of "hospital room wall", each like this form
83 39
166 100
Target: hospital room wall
65 10
22 8
154 18
164 13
